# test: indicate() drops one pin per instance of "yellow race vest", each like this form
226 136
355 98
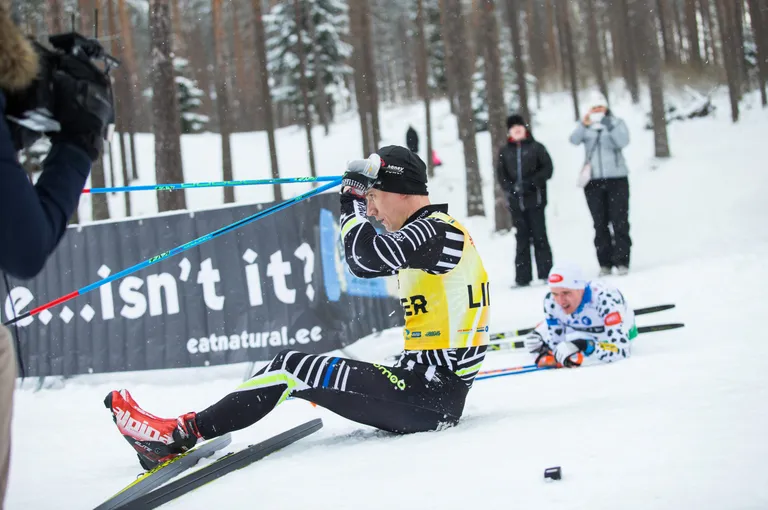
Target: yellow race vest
448 310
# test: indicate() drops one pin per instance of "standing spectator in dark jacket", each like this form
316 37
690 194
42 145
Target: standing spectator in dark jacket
607 192
523 169
33 218
412 140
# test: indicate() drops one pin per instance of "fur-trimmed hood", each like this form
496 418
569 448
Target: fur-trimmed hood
18 60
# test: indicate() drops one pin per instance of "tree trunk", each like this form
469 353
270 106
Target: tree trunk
388 81
121 91
243 98
321 102
727 38
255 121
564 21
266 95
618 62
165 108
555 51
179 42
221 63
655 79
56 16
594 48
200 63
513 18
99 205
692 34
85 12
536 39
370 72
706 16
763 7
450 72
455 29
134 89
422 74
55 26
564 74
111 159
632 80
304 85
605 33
758 31
667 35
614 55
678 26
357 57
738 25
497 111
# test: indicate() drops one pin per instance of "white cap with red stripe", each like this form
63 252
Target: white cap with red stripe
566 276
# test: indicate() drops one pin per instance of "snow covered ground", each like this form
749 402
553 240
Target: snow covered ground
682 424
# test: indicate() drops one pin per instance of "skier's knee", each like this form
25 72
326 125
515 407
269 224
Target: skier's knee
280 358
279 361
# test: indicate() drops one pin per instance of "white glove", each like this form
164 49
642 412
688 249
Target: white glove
367 167
533 342
563 351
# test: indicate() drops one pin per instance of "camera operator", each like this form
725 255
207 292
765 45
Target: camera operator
33 219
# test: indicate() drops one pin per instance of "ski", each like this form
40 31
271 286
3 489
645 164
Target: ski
642 329
157 476
503 372
222 466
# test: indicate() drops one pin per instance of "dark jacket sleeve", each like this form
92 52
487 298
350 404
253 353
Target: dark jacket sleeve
502 174
543 170
33 218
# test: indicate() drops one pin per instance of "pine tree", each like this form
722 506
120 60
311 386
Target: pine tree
190 99
325 51
511 95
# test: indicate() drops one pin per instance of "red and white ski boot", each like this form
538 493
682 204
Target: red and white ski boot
155 440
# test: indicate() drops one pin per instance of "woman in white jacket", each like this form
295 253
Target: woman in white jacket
607 192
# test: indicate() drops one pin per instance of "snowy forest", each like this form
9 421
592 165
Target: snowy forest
229 66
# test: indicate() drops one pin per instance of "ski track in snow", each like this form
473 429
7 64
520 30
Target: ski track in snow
681 424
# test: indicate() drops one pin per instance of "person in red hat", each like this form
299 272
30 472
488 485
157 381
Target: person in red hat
585 322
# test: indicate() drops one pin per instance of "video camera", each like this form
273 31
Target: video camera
73 58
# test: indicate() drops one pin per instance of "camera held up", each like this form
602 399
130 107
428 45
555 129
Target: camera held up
71 98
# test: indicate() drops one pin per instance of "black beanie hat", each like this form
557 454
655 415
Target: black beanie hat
516 120
401 171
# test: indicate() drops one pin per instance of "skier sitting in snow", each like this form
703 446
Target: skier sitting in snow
446 302
585 322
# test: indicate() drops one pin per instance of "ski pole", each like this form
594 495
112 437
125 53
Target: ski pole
174 251
501 370
510 371
211 184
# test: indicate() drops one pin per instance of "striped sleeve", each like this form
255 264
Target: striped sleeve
425 243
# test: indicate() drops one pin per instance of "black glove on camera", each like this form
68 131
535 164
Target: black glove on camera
83 107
